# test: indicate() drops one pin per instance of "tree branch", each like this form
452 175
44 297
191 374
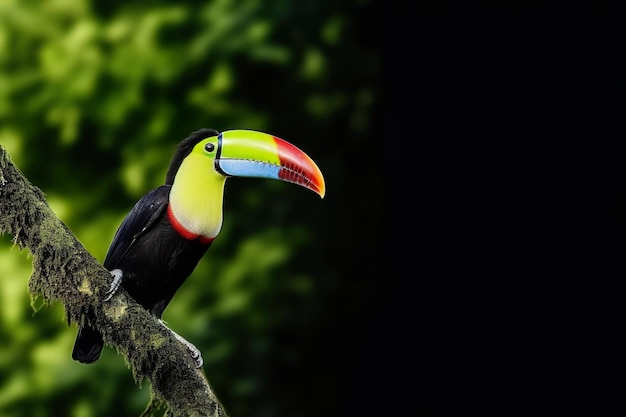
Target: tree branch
64 271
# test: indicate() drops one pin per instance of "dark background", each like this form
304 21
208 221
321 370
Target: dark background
467 256
506 217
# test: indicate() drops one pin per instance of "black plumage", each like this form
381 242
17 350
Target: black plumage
154 258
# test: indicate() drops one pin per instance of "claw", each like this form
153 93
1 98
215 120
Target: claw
194 352
117 281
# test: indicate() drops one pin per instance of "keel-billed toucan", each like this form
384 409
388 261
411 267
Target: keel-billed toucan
167 232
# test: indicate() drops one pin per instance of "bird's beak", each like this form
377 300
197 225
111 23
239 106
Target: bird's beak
248 153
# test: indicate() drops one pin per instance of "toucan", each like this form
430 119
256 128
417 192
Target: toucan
162 239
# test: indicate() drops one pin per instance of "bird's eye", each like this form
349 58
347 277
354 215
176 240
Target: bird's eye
209 147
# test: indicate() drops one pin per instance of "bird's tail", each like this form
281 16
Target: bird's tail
88 345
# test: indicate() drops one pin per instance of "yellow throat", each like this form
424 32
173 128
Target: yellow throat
197 195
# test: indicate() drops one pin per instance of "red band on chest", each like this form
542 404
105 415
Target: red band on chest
181 230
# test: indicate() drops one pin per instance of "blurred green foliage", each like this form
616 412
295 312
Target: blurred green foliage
94 96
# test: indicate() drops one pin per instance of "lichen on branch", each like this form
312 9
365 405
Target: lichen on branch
64 271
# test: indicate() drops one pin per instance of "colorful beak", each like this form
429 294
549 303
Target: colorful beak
248 153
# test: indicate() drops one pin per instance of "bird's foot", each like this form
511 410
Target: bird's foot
117 281
193 351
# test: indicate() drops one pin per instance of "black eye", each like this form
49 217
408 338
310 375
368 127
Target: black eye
209 147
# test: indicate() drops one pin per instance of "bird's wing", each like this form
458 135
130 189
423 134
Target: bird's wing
145 214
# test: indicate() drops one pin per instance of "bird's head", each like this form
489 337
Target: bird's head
206 158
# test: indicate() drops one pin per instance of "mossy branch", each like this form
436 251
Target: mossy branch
64 271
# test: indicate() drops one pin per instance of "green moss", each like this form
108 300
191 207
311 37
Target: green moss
115 311
64 271
157 340
85 287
